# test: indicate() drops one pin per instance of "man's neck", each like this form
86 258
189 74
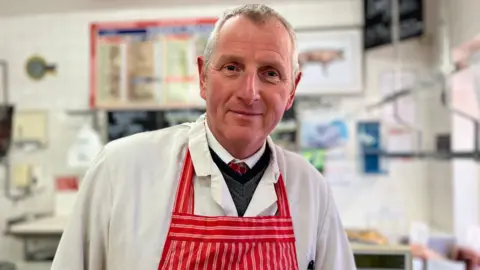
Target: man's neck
238 149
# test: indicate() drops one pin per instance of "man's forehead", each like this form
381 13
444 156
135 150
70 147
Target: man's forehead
242 28
271 59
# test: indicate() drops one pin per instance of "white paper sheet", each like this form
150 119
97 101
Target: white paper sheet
390 83
398 117
340 173
86 147
417 264
444 265
419 233
473 237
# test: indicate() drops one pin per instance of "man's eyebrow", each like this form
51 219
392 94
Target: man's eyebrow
274 62
229 58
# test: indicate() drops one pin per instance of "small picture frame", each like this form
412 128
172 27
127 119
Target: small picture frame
331 61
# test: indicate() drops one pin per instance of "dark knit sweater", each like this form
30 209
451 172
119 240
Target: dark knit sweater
242 187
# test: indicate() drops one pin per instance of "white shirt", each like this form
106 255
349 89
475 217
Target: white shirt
225 156
123 211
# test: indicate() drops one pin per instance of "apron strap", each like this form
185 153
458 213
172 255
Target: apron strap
282 200
184 200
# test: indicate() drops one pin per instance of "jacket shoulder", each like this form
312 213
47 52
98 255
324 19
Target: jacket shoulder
305 186
298 163
144 144
298 171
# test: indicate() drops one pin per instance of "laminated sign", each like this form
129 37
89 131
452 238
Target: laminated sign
86 147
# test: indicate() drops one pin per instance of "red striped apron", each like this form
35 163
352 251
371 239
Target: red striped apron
223 242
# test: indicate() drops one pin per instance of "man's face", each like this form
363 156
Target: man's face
248 84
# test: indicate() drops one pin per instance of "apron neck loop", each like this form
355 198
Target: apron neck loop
184 202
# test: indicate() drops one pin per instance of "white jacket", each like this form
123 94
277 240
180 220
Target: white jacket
122 214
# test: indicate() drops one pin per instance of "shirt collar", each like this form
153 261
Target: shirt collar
225 156
202 160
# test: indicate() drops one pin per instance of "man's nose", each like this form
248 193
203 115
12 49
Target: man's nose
249 92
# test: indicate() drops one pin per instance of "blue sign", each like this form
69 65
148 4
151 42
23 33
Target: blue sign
369 136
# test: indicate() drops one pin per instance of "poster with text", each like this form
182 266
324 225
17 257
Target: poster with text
323 138
322 129
147 64
400 119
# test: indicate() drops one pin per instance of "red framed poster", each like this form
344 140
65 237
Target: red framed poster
147 64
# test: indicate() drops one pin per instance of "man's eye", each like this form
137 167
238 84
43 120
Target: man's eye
230 67
272 74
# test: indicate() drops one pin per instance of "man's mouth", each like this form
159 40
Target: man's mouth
246 113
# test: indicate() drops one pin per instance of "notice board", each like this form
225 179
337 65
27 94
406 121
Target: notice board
147 64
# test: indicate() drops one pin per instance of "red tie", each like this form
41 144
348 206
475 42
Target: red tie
240 167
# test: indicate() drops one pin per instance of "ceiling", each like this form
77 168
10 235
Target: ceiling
24 7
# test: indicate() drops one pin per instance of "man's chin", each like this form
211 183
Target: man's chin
242 134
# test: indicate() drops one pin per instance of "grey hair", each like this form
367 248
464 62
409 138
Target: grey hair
258 13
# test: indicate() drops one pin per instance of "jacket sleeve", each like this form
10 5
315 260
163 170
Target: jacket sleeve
333 248
84 242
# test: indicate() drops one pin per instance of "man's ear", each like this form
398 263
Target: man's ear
202 76
292 93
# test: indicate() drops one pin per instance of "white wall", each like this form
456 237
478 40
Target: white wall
404 190
464 22
464 25
63 39
62 6
439 172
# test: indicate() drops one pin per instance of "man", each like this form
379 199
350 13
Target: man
216 193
